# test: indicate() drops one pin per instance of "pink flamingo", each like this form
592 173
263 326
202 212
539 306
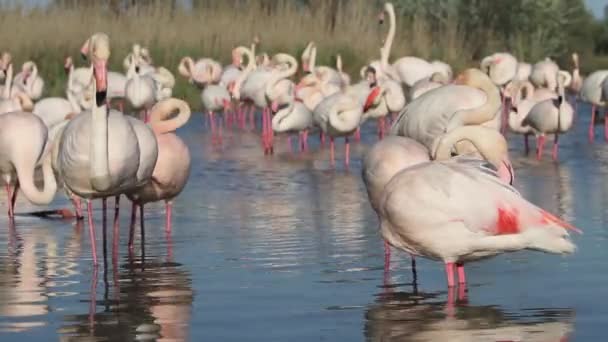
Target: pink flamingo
595 91
427 211
196 72
173 164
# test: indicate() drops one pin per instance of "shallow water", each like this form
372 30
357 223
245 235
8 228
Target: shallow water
285 248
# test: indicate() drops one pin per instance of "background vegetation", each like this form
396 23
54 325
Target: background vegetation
460 32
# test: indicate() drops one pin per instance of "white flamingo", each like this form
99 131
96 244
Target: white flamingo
29 81
197 72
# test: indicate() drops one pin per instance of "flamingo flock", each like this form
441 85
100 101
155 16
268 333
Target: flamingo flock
439 177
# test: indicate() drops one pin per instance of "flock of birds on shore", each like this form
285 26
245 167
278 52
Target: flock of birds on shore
440 181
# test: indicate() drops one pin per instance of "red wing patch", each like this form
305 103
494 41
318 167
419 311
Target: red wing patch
371 98
507 222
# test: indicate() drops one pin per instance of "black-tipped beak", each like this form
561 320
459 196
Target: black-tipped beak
100 98
137 69
84 57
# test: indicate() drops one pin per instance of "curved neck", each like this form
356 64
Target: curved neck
26 181
278 75
185 67
313 59
339 62
490 143
282 114
344 116
388 42
25 102
243 75
73 102
481 114
526 87
160 114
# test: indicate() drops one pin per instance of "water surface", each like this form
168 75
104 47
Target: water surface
285 248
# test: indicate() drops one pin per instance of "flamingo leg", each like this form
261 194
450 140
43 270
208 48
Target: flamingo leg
305 140
251 118
358 134
289 144
381 123
393 117
331 150
555 146
346 151
301 141
9 196
461 275
387 254
539 146
592 124
414 273
526 143
168 210
264 135
504 114
77 206
132 227
449 273
322 137
606 125
270 132
92 231
115 235
14 197
141 225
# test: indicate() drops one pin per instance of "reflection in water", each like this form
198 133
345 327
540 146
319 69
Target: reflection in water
154 302
424 317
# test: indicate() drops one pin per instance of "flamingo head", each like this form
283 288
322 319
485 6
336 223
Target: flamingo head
236 58
67 64
274 106
5 60
370 76
98 49
305 65
372 99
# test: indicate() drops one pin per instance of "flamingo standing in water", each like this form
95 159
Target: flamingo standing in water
387 97
502 69
390 156
102 152
553 116
197 72
292 116
427 211
172 167
215 98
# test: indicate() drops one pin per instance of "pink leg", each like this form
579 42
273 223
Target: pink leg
168 209
393 117
270 131
555 146
211 124
289 144
606 125
264 134
540 146
251 118
301 141
387 254
526 143
9 196
381 127
115 234
331 150
347 152
77 206
358 134
461 275
592 124
305 140
14 197
322 137
92 231
449 272
132 227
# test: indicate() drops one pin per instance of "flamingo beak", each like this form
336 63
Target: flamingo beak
274 106
101 73
305 67
371 98
381 18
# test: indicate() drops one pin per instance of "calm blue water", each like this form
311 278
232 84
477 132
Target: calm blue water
285 248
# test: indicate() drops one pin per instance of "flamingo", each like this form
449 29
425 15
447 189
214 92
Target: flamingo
140 90
329 75
172 167
408 70
387 97
544 74
339 115
344 76
28 81
140 56
306 57
5 59
523 101
472 100
426 210
197 72
553 116
524 70
292 117
388 157
23 146
422 86
103 153
595 90
215 98
577 81
502 69
13 100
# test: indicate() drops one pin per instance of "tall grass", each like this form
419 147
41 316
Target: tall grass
48 35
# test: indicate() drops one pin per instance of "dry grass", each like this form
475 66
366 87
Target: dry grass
48 35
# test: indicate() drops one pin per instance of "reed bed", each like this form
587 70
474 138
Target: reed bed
48 35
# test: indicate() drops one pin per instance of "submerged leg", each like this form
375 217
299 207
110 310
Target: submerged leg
539 146
526 143
9 196
346 151
555 146
77 206
331 150
92 231
606 125
132 226
592 124
168 211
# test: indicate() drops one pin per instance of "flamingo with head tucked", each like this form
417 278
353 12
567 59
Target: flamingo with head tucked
172 167
14 100
29 81
197 72
426 210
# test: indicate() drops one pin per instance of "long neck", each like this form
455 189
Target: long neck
185 67
160 113
26 181
388 42
344 117
481 114
313 59
73 102
339 63
9 82
282 114
25 102
245 73
490 143
277 76
100 172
